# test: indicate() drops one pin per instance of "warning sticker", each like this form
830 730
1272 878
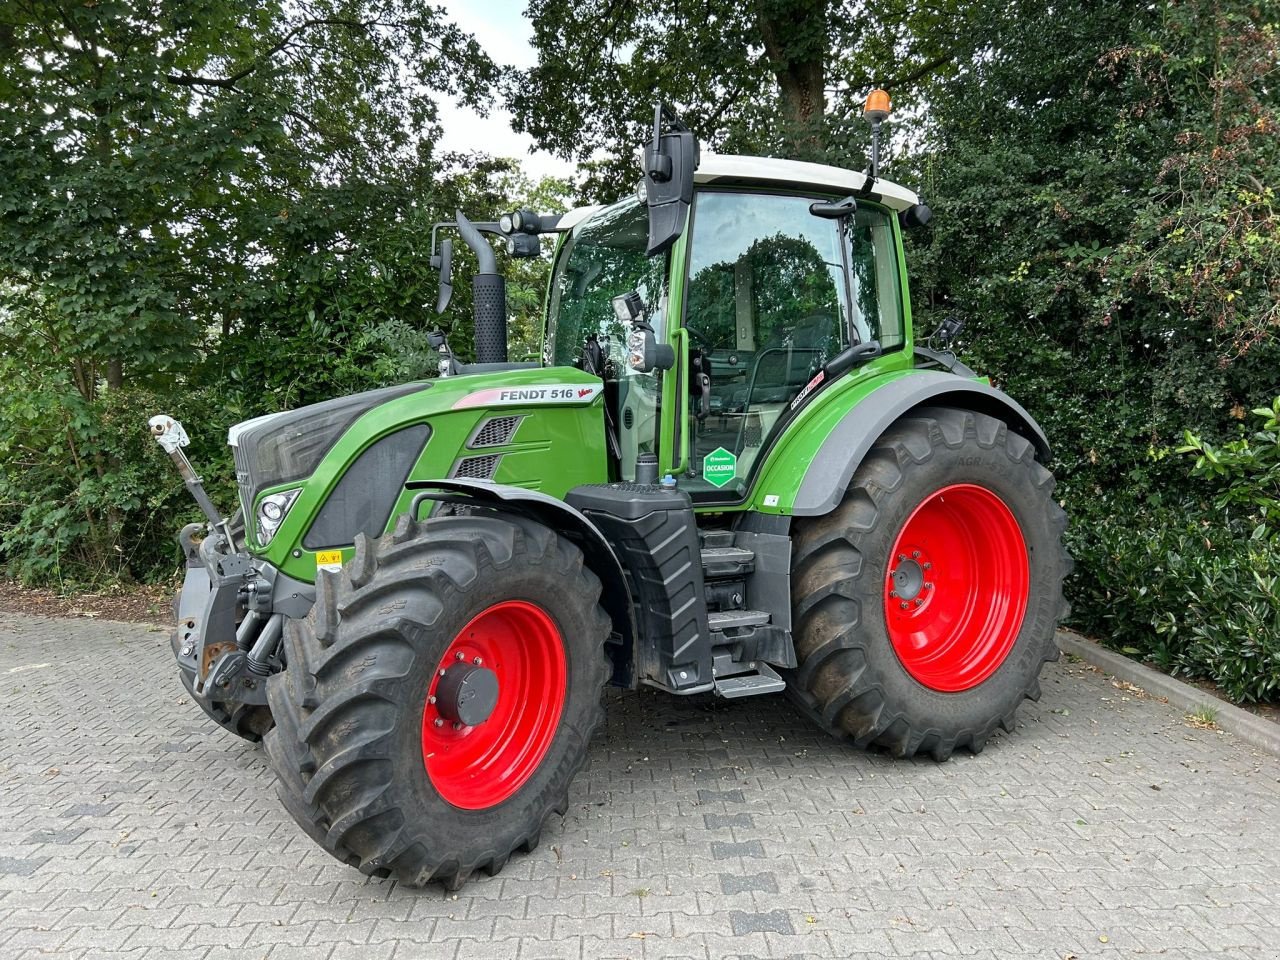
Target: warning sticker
329 560
719 467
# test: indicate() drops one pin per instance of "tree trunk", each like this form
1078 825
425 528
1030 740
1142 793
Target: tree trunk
795 35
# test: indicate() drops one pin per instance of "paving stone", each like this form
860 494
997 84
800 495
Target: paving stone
59 837
775 921
756 882
726 821
723 850
21 866
751 834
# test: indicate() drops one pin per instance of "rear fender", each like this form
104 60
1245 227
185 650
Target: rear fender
832 467
557 515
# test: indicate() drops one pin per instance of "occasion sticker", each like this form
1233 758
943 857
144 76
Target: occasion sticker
535 394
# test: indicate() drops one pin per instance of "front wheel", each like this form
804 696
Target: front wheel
926 603
440 697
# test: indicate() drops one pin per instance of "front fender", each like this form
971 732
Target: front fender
557 515
839 454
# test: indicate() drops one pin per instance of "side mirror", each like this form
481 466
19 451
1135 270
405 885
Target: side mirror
915 216
669 162
444 261
834 211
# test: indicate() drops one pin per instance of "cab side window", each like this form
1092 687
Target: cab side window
873 276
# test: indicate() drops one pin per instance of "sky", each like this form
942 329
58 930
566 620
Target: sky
500 27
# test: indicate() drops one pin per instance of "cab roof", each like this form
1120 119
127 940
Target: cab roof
726 169
729 170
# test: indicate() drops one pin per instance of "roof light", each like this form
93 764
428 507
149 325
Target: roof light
877 106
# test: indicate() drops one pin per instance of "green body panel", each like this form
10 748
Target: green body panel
556 447
787 462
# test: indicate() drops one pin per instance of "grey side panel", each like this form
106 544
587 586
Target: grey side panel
832 468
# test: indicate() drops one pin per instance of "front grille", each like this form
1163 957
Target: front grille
243 480
494 432
476 468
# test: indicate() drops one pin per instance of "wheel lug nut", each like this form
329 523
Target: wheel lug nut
927 565
904 605
893 593
431 699
442 673
457 724
458 655
477 661
901 557
928 586
915 554
439 722
919 601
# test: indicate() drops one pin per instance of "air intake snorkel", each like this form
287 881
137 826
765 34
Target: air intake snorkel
489 292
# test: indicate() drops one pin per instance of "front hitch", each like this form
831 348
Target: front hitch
228 630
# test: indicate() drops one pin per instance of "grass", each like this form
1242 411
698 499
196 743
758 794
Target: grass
1204 716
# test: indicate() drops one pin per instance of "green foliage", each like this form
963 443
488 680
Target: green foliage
1196 588
214 210
771 77
1248 469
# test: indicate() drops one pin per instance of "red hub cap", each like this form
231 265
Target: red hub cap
957 588
493 705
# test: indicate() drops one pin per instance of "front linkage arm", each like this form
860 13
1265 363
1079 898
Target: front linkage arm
231 610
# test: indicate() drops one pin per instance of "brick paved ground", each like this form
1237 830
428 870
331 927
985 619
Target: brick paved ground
1106 827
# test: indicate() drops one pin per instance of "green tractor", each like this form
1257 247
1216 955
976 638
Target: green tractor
734 472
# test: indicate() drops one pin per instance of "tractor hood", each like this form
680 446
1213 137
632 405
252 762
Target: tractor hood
310 479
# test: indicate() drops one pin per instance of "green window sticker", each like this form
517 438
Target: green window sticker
719 467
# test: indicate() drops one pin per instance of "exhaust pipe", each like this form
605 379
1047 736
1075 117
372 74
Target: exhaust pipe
489 293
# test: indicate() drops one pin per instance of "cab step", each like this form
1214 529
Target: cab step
762 680
722 620
727 562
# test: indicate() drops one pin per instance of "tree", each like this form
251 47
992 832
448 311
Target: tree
175 173
782 77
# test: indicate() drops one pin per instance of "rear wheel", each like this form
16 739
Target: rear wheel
440 697
925 604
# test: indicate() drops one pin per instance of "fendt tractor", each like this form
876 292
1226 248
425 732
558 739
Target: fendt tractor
734 472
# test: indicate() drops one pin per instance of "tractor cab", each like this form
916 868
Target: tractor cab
756 297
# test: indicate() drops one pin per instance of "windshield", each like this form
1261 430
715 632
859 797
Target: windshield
603 258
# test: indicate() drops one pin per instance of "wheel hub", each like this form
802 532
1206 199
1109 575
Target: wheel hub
909 578
956 588
467 694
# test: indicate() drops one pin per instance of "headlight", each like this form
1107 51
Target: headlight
272 510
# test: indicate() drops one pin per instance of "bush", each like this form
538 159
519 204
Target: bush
1196 589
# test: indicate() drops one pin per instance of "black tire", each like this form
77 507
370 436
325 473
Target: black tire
347 746
849 678
246 721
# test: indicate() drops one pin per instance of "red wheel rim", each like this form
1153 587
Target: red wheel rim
474 767
956 590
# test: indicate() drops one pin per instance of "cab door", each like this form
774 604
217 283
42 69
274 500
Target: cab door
766 306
